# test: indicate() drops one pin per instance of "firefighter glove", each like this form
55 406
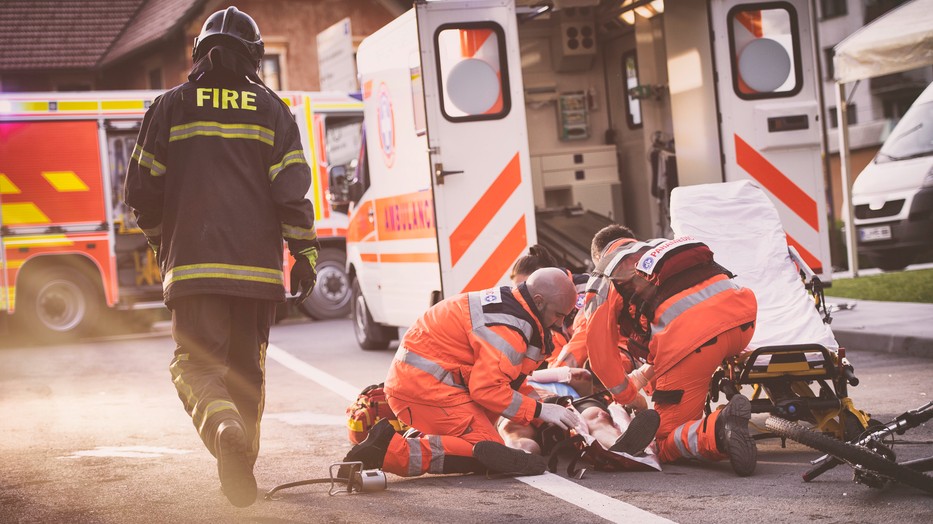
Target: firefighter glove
559 416
303 278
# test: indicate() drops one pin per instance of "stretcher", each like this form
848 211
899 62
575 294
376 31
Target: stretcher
793 364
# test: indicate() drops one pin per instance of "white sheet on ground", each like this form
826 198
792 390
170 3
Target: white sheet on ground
740 224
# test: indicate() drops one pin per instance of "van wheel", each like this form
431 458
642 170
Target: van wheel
59 302
369 334
331 296
891 261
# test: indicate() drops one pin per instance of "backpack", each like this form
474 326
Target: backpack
368 408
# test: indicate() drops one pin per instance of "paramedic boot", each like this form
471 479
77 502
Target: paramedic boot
372 451
503 459
640 433
733 438
234 466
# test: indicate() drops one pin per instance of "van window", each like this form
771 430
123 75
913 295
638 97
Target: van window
472 74
765 49
912 137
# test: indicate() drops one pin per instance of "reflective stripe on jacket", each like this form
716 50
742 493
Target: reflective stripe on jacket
217 180
477 347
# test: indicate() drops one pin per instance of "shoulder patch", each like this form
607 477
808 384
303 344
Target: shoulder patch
491 296
649 260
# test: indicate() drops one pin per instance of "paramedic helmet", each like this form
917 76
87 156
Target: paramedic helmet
230 26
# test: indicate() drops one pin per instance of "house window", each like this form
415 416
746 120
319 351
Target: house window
833 8
828 66
271 72
155 78
850 113
632 104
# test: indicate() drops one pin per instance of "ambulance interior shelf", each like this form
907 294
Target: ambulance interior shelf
567 231
586 176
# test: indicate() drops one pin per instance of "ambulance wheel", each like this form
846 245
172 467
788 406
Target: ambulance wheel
331 296
59 302
369 334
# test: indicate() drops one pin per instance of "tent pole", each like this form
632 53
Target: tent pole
844 161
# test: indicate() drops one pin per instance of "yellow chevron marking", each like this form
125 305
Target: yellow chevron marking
22 213
65 181
39 241
76 105
7 187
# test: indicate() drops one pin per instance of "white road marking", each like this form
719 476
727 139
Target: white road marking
127 452
593 501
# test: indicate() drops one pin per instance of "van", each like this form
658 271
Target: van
893 195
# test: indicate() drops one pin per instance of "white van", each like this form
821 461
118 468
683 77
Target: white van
893 195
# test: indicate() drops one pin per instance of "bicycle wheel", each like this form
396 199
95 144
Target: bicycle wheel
850 453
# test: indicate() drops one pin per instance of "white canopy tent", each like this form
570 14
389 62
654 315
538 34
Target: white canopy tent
900 40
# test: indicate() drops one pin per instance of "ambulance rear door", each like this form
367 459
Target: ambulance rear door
477 140
769 111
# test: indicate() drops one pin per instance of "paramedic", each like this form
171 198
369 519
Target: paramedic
680 311
216 182
460 367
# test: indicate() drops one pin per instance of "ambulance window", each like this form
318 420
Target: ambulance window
473 76
632 104
765 49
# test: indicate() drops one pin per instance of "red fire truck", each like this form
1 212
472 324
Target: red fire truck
70 249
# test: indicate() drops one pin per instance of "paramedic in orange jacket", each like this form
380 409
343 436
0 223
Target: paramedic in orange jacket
700 317
459 368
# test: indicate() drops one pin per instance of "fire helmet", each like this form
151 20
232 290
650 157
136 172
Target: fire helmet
230 26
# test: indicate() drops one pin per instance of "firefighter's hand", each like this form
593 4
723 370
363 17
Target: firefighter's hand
303 278
559 416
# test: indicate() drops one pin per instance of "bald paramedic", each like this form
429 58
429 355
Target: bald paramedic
459 368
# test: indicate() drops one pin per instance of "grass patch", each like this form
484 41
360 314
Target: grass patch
902 286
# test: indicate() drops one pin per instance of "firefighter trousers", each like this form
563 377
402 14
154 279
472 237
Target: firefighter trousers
445 445
684 432
219 364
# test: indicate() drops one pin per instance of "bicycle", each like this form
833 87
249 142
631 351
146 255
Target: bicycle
871 455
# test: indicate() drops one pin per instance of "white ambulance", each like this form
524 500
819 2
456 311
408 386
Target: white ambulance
482 114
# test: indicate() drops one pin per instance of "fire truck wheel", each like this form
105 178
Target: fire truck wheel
331 296
369 334
59 302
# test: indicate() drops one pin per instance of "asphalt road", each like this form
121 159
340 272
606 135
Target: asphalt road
94 432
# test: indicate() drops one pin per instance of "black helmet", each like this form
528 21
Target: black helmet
229 25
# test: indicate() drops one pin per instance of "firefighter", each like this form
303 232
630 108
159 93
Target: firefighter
216 181
670 304
461 366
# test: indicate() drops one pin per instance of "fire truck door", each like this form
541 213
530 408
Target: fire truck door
769 108
477 140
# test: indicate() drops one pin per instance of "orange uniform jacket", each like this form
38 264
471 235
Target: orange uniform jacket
474 347
681 324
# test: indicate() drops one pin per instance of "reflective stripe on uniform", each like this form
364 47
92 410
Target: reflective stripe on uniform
431 368
298 233
478 319
618 389
215 406
687 302
690 449
148 161
292 157
229 271
630 248
599 294
204 128
437 454
414 457
514 406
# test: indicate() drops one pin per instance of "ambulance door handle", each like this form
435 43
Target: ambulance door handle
439 173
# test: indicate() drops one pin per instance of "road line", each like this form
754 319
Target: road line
604 506
592 501
344 389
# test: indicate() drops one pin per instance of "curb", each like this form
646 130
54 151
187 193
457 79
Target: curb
859 340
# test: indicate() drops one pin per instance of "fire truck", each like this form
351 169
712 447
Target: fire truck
482 115
70 249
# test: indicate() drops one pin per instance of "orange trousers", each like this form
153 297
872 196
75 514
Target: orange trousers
446 441
684 432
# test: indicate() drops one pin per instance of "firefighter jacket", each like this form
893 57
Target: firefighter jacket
474 347
217 180
687 300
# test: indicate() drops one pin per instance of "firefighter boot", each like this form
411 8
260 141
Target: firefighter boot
372 451
639 434
509 461
733 438
234 466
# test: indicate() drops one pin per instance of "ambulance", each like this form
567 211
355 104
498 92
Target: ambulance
70 249
480 115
